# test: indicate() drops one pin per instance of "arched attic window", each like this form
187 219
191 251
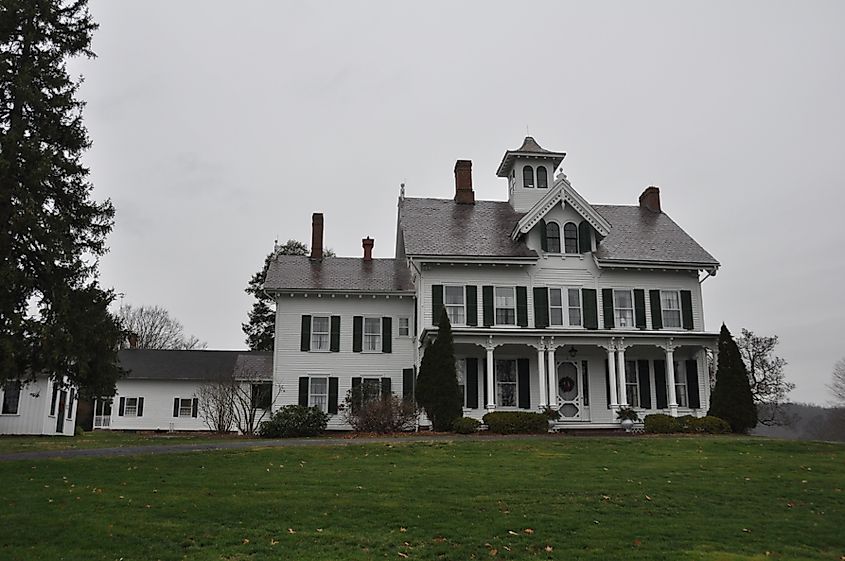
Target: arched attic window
570 237
552 237
542 178
528 177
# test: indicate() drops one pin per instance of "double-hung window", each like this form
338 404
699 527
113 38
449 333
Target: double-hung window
670 308
565 307
262 395
318 393
186 408
632 387
372 335
461 371
11 397
505 305
552 237
455 301
506 383
320 333
371 388
130 409
570 237
623 308
681 387
404 326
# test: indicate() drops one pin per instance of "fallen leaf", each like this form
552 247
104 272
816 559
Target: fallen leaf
403 529
647 498
494 552
511 532
549 549
273 541
403 555
746 530
246 541
291 531
319 529
637 542
528 531
605 497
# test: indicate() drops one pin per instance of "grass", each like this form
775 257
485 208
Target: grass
103 439
562 498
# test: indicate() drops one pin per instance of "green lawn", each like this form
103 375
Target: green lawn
563 498
102 439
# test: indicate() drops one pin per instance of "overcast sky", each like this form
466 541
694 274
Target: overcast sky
219 126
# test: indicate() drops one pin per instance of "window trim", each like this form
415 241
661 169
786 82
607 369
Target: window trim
496 308
616 309
497 383
564 238
364 335
135 412
565 307
678 309
407 319
545 177
446 306
558 237
311 393
328 334
528 170
182 401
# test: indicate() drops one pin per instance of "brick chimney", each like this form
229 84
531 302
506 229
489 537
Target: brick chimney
463 183
317 236
650 199
368 243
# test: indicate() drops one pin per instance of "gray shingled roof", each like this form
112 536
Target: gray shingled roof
195 365
254 366
341 274
442 227
639 235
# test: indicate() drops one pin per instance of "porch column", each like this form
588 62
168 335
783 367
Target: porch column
620 373
611 375
550 372
491 389
541 370
670 378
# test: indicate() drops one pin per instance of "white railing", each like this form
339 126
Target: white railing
102 421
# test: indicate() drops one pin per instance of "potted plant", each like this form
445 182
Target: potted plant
627 417
552 415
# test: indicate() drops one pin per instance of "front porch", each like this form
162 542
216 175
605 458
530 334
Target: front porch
585 378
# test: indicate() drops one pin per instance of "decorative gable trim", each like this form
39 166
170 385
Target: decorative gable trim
562 191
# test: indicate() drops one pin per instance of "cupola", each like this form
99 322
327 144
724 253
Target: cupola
530 173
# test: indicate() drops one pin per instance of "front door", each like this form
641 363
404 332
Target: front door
60 414
569 394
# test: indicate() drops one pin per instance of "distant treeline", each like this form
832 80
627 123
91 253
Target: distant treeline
808 422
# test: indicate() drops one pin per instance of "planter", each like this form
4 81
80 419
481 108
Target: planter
627 424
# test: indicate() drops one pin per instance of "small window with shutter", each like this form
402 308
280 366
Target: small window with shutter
320 333
570 237
372 335
670 308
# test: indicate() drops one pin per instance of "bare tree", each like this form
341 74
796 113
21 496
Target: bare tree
252 397
215 405
837 383
155 329
766 377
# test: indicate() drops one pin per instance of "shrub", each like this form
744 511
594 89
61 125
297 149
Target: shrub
712 425
381 415
687 423
660 423
516 422
466 425
78 431
294 420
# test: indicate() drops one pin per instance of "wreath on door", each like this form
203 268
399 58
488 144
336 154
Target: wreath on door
567 384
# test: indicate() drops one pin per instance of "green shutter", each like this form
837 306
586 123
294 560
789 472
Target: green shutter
385 388
585 375
660 383
408 384
639 308
303 391
175 407
357 334
692 384
357 394
334 343
522 306
645 384
472 383
607 307
386 335
140 404
523 383
541 307
585 242
472 305
656 310
305 334
544 240
195 407
333 396
487 304
686 309
589 300
436 303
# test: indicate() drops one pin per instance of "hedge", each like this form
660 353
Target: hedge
466 425
516 422
664 424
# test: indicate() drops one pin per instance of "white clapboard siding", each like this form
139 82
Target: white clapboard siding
33 416
158 405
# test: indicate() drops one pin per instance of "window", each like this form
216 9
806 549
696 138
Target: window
54 399
262 395
320 333
542 178
528 177
506 383
552 237
372 334
571 310
318 393
670 308
681 387
185 407
623 306
570 237
131 407
11 397
461 370
454 301
404 327
70 403
505 305
632 387
372 388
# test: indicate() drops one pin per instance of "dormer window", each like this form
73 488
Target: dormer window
542 178
570 237
552 237
528 177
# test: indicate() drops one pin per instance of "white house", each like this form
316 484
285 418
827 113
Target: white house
553 301
42 407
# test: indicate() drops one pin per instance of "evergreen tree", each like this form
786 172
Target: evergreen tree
732 399
54 317
437 383
260 328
